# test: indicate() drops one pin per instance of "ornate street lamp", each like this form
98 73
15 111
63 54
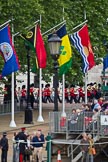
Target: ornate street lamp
28 110
54 45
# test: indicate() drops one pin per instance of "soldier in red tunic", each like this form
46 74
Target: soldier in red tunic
5 93
81 94
47 93
72 94
23 94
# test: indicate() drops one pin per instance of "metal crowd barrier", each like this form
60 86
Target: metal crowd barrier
5 107
83 123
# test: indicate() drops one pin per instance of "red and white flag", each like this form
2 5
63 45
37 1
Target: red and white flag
81 41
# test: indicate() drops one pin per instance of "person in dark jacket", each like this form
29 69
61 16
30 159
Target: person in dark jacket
84 147
21 137
4 147
37 143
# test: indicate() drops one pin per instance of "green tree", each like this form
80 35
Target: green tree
23 13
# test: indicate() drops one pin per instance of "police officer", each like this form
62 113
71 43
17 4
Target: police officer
4 147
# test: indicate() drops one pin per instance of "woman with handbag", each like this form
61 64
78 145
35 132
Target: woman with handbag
91 148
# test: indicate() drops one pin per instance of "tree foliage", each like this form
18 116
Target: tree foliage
24 13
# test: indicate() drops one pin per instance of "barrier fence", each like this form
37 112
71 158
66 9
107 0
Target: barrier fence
5 107
77 123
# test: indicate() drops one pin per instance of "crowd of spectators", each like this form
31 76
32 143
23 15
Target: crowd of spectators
88 115
28 146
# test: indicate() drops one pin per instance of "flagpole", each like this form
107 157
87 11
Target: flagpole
28 27
63 88
40 118
12 123
86 77
86 88
5 23
53 28
63 96
80 25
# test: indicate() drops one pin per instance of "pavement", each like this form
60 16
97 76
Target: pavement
19 121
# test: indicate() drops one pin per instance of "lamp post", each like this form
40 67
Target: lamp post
54 46
28 110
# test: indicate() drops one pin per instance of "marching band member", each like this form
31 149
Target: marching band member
81 94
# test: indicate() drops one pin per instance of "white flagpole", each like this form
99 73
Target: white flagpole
63 88
80 25
63 96
28 27
40 118
86 88
53 27
86 77
5 23
12 123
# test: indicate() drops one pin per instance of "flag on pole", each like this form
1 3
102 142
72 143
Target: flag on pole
82 43
36 43
105 62
11 63
65 59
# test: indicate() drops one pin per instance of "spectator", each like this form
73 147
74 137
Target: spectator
100 101
38 141
15 149
86 108
95 115
84 148
74 116
42 135
105 105
96 105
28 150
95 119
4 147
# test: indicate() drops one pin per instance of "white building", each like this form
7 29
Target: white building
94 75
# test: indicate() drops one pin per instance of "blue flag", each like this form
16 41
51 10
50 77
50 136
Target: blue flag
8 53
105 62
